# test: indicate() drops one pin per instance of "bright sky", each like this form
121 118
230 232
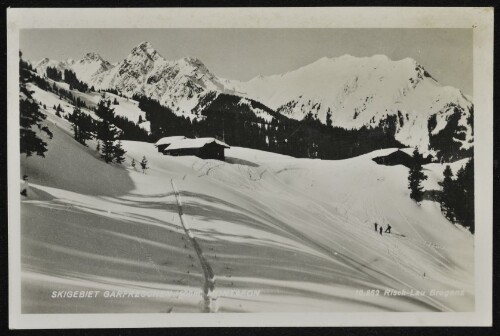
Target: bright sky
245 53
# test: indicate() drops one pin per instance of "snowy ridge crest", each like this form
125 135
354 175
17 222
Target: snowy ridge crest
350 91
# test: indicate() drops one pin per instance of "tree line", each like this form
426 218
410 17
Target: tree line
67 76
109 130
457 196
107 134
226 118
30 116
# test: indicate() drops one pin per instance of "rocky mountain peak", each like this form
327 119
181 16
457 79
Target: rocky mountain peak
145 49
92 57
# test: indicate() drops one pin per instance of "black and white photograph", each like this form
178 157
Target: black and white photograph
219 170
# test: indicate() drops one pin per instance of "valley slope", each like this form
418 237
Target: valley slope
347 91
299 231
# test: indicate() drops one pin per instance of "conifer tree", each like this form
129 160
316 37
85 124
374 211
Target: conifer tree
30 116
329 117
416 176
82 126
107 134
465 208
133 163
104 110
457 198
448 195
119 152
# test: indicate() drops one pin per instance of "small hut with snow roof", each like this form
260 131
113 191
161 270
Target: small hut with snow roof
204 148
166 141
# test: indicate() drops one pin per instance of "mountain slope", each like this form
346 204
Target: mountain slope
176 84
92 64
298 231
42 65
353 92
347 91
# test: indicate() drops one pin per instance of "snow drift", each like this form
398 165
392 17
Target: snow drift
297 232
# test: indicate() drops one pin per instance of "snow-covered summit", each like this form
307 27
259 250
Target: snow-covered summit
145 49
347 91
178 84
42 65
89 66
92 57
354 92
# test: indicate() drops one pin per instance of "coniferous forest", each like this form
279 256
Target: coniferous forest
225 117
238 125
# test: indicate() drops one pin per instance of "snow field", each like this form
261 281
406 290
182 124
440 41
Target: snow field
298 232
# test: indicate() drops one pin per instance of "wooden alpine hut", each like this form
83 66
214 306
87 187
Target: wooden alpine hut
166 141
204 148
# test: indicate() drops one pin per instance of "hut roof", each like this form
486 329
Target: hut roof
395 158
169 140
195 143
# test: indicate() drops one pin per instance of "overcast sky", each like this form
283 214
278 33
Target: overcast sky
245 53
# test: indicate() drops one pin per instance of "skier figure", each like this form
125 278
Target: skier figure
381 228
376 227
388 230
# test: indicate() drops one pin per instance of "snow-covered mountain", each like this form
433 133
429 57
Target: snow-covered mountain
42 65
178 84
349 91
353 92
92 64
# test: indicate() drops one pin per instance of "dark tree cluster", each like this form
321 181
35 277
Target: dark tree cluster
83 125
130 130
54 74
113 91
62 93
74 82
309 138
30 115
457 197
106 131
68 76
416 176
108 134
163 121
58 110
236 123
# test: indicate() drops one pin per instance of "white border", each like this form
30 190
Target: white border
480 19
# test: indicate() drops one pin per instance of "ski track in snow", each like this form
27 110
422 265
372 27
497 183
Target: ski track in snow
360 266
273 220
209 278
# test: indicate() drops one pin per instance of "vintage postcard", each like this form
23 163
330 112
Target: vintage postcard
250 167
